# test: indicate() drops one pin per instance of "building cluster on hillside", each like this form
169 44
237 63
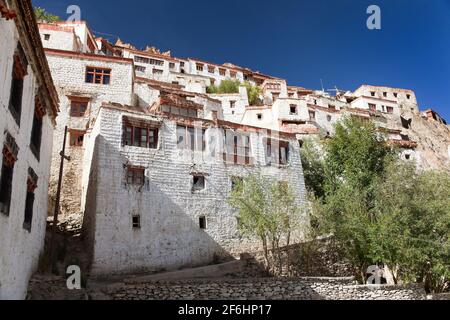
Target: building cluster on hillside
153 156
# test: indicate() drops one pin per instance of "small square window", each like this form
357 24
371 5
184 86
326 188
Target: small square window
293 109
260 116
408 96
396 94
232 104
46 37
198 183
372 93
385 94
202 223
136 222
407 156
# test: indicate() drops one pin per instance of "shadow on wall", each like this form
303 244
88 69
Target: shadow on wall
166 239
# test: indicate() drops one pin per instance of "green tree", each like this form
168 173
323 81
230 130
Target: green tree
43 16
253 93
313 167
267 211
382 211
226 86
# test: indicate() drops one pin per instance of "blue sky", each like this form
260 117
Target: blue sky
301 41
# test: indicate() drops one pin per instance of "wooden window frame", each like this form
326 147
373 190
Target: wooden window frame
75 136
78 102
372 107
191 142
103 73
222 72
137 176
237 153
211 69
200 67
132 140
281 145
390 110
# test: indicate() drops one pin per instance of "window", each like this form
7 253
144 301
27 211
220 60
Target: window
237 148
372 93
315 102
158 71
36 131
406 123
390 110
222 72
19 72
385 94
202 222
260 116
408 96
142 59
383 108
140 69
191 138
76 138
232 104
136 221
291 94
293 109
98 75
78 107
198 183
155 62
182 64
329 118
171 65
29 202
10 151
407 156
135 176
372 107
185 112
199 67
312 115
277 152
211 69
141 137
396 94
46 37
233 74
331 107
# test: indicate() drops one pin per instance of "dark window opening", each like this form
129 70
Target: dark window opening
407 156
10 151
385 94
19 72
408 96
29 204
329 118
312 115
406 124
390 110
395 94
36 136
136 222
372 107
77 138
293 109
198 183
260 116
232 104
202 223
46 37
372 94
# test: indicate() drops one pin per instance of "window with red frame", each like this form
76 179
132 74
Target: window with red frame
98 75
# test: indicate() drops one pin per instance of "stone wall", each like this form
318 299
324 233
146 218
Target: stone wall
263 289
20 249
170 237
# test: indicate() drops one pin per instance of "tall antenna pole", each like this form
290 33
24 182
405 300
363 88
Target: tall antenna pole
58 199
321 83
